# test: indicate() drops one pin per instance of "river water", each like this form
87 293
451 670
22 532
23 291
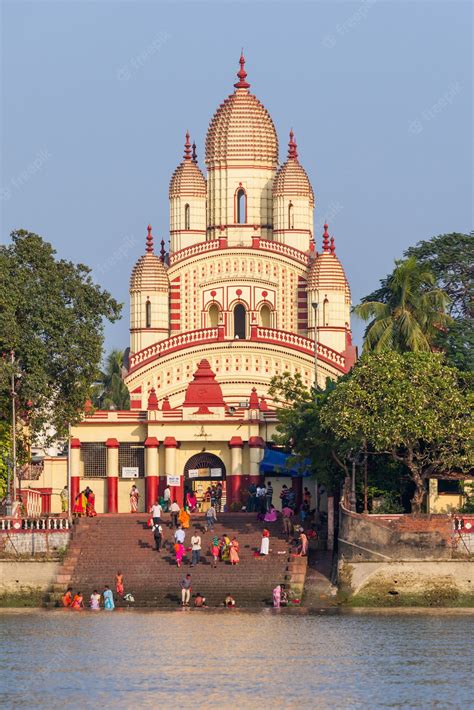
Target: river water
234 659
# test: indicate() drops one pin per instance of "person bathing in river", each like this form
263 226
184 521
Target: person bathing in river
77 602
109 603
94 602
66 598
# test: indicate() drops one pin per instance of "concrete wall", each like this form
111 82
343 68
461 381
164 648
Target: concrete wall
28 543
377 538
26 580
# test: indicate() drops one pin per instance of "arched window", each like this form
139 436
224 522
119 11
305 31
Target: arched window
265 317
326 312
148 314
291 216
186 217
240 322
214 315
241 207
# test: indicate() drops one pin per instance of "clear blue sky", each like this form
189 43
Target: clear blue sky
97 97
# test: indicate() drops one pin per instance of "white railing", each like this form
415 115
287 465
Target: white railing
214 244
13 524
284 249
194 249
299 341
176 341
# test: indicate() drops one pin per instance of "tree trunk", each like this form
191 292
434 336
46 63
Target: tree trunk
419 495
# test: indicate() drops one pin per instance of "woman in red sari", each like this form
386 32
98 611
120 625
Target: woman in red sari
90 507
80 504
77 602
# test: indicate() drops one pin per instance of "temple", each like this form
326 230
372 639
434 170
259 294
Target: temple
244 293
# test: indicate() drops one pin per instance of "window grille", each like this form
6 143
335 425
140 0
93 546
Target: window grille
94 457
132 454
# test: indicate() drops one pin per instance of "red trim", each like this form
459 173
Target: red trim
152 442
256 442
170 442
236 442
112 494
233 489
151 490
75 480
112 444
75 444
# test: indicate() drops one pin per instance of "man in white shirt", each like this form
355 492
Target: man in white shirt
179 535
156 511
195 547
174 510
167 497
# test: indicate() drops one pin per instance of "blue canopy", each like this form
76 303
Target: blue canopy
275 463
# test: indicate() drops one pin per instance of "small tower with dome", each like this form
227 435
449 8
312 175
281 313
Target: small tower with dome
187 195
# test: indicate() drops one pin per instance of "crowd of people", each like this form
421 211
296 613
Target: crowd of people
106 600
84 503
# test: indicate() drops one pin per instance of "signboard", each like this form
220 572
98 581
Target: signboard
173 480
216 472
193 473
130 472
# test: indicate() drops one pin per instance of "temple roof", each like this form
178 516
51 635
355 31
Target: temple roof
326 271
291 179
187 179
149 271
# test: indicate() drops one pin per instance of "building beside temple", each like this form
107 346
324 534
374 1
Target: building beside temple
243 294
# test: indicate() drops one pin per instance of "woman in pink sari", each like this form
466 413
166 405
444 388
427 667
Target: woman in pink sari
192 501
134 496
234 551
179 552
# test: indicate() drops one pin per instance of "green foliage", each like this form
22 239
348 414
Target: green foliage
411 405
406 313
300 429
110 390
450 258
51 315
5 451
468 492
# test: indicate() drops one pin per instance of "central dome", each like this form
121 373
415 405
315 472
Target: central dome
242 128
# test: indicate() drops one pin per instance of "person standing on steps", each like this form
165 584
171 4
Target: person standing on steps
211 518
186 590
234 551
287 514
134 496
158 535
215 551
219 497
174 510
119 583
268 496
64 496
156 512
265 544
167 498
195 548
252 498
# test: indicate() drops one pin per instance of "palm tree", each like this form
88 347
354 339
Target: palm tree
407 312
110 391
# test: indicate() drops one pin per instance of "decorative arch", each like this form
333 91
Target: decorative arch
187 217
148 313
214 313
265 315
202 461
240 207
326 311
240 321
291 216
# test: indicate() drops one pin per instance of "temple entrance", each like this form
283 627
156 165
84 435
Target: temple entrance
203 472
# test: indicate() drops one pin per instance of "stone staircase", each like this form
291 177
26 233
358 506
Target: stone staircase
103 545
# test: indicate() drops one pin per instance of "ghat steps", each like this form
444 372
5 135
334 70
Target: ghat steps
103 545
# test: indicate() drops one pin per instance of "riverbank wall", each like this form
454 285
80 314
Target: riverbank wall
404 560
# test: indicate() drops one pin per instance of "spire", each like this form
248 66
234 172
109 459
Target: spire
292 147
242 74
187 148
195 155
332 248
326 238
162 251
149 240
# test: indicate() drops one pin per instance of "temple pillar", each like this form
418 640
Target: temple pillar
177 492
234 479
256 446
112 475
74 471
151 471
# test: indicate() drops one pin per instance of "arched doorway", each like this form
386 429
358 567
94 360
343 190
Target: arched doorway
202 471
240 322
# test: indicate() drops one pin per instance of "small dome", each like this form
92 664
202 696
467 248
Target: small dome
187 180
326 271
149 272
291 179
242 128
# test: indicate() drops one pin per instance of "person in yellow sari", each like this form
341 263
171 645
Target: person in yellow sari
184 518
80 504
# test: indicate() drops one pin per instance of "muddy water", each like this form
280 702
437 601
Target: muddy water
232 659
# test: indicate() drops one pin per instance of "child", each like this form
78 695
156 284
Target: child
119 583
215 550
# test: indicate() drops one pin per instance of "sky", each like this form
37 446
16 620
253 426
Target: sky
97 96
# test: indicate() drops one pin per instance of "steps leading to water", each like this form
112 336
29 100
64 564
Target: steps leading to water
103 545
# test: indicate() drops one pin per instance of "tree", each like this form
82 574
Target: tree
300 429
110 390
406 313
450 257
51 316
411 405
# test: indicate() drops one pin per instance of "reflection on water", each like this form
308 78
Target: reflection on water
227 659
